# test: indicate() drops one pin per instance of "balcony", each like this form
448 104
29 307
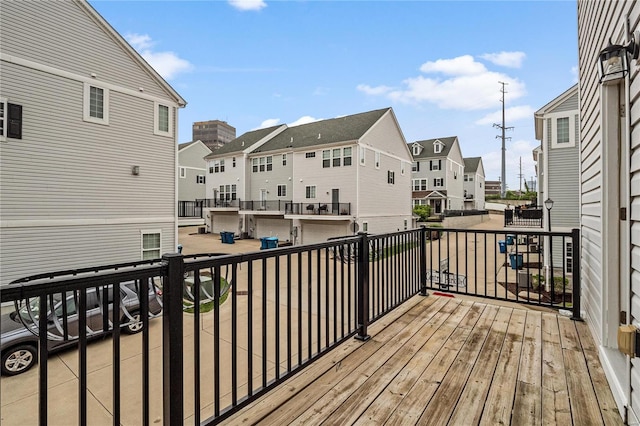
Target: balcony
234 328
319 209
265 206
221 204
525 217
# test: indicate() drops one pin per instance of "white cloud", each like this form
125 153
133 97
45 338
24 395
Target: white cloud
369 90
304 120
467 85
270 122
167 64
511 114
248 4
462 65
574 74
505 59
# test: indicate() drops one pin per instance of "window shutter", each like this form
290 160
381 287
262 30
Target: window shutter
439 164
417 166
430 164
14 125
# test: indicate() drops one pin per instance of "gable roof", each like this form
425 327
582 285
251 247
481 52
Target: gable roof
334 130
427 146
185 145
244 141
131 51
537 116
471 164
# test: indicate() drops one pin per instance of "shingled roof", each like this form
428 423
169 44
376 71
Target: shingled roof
347 128
243 142
428 147
471 164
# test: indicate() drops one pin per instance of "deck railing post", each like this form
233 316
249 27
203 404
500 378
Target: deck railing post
423 261
576 269
363 287
172 342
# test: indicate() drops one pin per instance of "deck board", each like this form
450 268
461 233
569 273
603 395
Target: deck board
450 361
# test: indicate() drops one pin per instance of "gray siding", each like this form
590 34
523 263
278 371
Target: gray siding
570 104
60 34
192 158
564 187
34 250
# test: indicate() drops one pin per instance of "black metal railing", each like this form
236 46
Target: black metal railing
190 208
529 217
319 209
217 202
265 205
235 326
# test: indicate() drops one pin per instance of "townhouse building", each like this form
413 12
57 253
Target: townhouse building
192 171
474 185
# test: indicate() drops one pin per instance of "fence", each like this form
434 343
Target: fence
235 326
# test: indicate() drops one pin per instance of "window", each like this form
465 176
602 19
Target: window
310 191
405 224
151 244
284 159
183 172
96 104
455 175
326 158
365 226
218 166
282 190
346 156
568 257
415 167
437 148
10 120
233 162
435 164
391 177
163 122
362 155
438 182
309 155
262 164
416 149
200 179
227 192
335 155
402 169
419 184
210 169
562 129
377 160
468 178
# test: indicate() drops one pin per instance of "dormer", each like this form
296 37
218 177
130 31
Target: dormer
437 146
416 148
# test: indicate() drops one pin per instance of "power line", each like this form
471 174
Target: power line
503 186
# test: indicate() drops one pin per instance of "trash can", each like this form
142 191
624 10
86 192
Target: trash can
503 246
226 237
268 243
510 239
516 260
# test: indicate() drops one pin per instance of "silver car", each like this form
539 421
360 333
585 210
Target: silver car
19 329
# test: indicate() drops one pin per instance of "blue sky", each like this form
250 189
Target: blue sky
257 63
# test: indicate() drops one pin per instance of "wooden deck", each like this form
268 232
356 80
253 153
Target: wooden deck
438 360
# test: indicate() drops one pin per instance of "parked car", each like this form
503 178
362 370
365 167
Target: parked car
19 329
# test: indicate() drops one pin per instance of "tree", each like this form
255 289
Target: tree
423 211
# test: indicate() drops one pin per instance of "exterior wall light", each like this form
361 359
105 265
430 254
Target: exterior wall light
613 61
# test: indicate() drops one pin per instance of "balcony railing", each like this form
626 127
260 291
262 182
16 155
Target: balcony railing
216 203
319 209
235 326
523 217
190 208
265 205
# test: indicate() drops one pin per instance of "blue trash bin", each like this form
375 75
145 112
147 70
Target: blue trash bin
263 243
510 239
503 246
516 260
272 242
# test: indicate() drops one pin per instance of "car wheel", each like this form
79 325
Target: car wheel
134 324
18 360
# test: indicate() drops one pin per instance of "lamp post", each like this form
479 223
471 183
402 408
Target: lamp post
548 204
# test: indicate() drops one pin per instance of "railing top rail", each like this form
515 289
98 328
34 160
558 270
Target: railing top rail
59 282
499 232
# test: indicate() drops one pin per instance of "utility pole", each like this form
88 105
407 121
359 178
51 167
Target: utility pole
503 181
520 176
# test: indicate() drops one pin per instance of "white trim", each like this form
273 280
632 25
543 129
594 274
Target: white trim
616 387
86 104
46 223
3 134
195 168
156 119
144 232
362 153
76 77
571 115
